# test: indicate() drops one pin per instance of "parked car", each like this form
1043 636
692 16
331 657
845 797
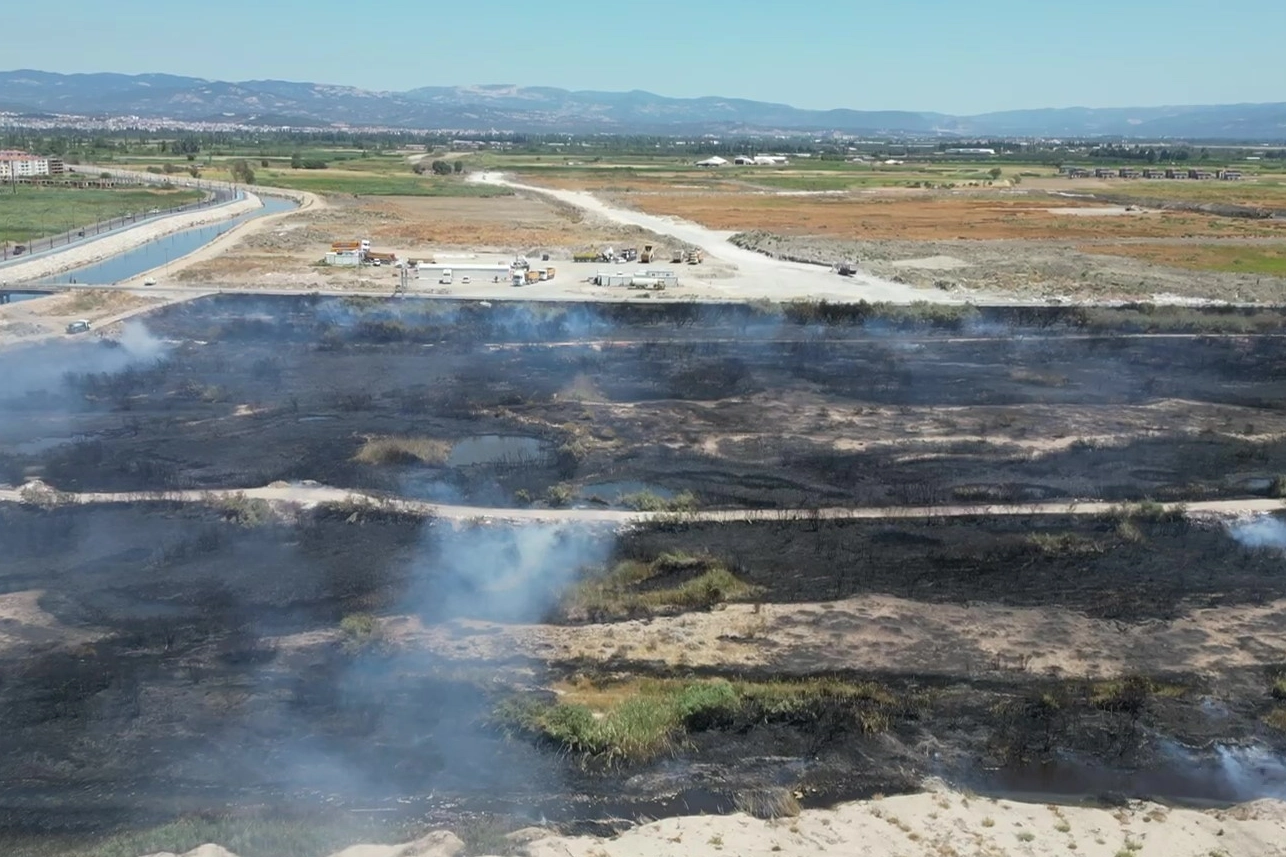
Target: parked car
80 326
150 281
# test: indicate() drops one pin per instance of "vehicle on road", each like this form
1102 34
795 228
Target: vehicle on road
464 280
150 281
80 326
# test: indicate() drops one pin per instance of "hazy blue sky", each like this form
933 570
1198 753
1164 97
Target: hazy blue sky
956 56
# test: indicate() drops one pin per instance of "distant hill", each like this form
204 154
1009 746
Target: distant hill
530 108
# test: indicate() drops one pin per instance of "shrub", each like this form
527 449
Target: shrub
245 511
559 495
360 631
1279 688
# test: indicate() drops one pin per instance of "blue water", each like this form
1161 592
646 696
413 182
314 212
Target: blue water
162 251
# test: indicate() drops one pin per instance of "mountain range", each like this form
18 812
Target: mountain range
544 109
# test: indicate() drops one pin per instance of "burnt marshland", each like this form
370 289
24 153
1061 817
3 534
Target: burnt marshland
226 657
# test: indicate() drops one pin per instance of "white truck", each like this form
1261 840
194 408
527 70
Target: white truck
446 277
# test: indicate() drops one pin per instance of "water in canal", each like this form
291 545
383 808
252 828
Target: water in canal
162 251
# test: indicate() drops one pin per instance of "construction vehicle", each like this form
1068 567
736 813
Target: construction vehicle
695 257
844 269
549 273
532 276
591 256
678 257
630 254
520 263
648 253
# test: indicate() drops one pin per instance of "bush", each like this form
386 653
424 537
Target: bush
245 511
559 495
360 631
1279 688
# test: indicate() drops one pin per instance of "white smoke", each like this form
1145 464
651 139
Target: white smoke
502 573
1253 772
1262 532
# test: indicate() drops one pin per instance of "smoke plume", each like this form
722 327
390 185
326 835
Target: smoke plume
1263 532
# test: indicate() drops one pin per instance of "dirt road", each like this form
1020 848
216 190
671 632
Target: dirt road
309 495
758 276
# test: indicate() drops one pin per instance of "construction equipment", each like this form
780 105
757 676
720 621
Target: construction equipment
549 273
695 257
648 253
532 276
678 257
630 254
844 269
591 256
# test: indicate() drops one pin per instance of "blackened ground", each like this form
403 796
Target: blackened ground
190 663
743 409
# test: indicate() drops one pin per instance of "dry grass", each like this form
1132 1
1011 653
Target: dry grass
925 216
633 588
402 450
92 303
635 721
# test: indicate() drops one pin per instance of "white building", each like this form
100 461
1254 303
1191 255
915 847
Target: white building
761 161
716 161
22 165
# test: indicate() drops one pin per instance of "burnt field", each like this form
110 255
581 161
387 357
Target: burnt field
728 407
350 661
168 659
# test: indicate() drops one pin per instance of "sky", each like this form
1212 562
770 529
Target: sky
952 56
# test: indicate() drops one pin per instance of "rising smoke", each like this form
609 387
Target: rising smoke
1265 532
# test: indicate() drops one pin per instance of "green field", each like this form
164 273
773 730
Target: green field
373 184
28 212
346 173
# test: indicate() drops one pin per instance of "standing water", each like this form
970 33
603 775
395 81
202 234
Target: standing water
162 251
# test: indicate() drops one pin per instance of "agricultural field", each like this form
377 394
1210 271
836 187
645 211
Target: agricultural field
29 212
192 657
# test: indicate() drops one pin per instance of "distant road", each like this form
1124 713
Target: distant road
311 495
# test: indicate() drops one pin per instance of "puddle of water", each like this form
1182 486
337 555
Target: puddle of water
494 449
162 251
612 493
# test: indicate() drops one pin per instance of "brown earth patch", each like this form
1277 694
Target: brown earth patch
934 217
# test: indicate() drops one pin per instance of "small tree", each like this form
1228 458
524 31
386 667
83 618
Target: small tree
994 172
442 168
296 161
459 167
242 172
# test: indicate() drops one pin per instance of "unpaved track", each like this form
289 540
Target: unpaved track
309 495
759 276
